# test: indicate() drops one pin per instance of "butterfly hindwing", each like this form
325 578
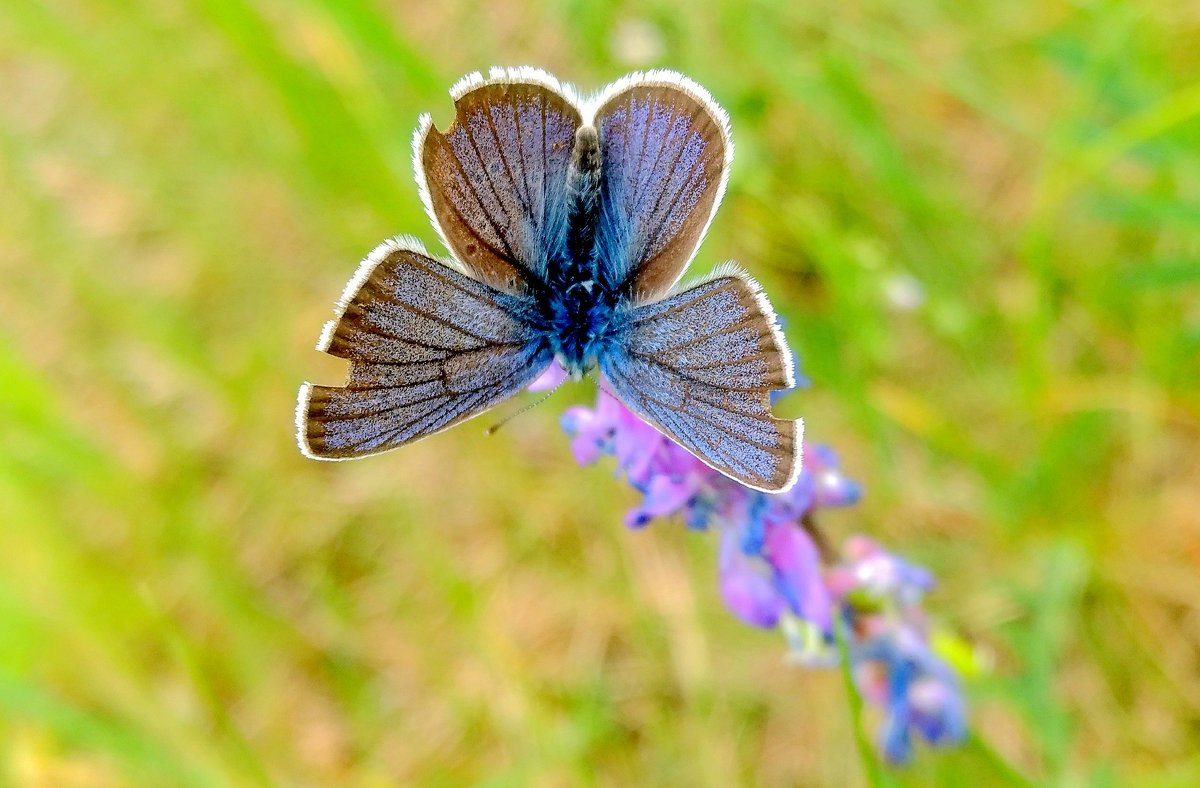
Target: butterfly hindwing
665 149
494 183
428 347
700 366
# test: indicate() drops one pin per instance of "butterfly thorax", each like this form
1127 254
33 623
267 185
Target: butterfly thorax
578 307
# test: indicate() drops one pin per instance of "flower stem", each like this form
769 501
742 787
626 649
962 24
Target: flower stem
829 554
866 753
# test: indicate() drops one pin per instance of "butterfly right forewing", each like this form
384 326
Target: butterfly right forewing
666 150
494 183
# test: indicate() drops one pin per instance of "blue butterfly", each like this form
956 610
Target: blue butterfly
570 222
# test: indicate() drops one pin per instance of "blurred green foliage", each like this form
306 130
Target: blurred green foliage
982 222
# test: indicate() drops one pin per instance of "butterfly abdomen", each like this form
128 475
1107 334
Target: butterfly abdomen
583 188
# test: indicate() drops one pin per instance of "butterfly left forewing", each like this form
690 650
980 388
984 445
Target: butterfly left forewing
700 366
428 347
666 150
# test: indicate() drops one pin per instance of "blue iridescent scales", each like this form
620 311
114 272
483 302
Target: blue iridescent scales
569 222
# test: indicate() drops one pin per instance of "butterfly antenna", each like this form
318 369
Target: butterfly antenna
492 430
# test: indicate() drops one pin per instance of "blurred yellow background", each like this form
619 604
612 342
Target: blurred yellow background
981 222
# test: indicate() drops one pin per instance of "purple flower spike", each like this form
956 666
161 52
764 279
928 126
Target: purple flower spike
771 573
830 487
895 666
883 575
797 565
746 584
590 434
938 709
922 697
665 495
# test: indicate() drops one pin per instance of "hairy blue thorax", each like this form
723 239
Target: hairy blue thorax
577 310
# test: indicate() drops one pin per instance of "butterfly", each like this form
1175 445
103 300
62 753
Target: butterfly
570 222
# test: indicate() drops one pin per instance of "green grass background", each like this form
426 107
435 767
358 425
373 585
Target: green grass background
184 600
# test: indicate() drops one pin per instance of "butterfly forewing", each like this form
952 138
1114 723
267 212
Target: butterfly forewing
428 348
665 150
495 181
700 366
